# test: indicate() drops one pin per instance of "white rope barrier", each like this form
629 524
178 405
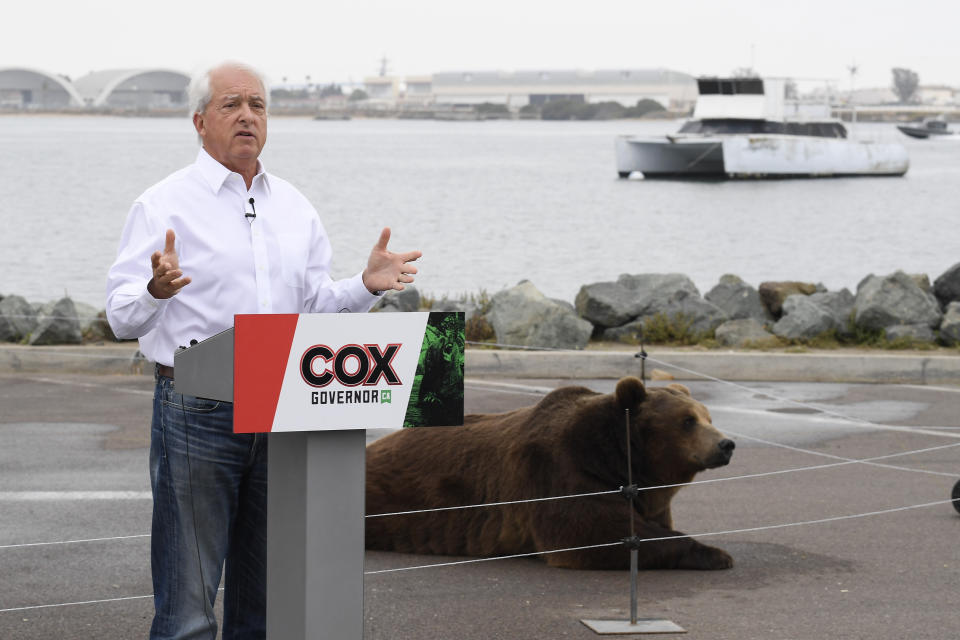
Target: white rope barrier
73 604
517 388
60 542
852 516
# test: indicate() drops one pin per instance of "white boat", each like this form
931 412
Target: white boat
744 128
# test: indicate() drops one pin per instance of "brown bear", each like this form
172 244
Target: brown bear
573 441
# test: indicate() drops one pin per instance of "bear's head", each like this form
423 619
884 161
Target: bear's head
672 435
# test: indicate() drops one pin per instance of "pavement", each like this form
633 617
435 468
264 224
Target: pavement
808 562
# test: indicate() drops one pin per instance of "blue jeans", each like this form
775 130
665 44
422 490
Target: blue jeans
209 513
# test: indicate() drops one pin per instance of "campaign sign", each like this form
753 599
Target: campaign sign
329 371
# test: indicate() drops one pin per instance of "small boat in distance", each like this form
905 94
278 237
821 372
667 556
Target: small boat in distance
929 127
744 128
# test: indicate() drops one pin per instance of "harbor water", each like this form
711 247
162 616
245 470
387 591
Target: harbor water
489 204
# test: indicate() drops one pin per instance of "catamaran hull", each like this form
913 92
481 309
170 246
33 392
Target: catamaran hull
759 156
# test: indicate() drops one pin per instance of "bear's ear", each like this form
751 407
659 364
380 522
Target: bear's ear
679 387
630 392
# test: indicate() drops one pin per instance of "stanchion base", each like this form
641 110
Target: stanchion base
644 625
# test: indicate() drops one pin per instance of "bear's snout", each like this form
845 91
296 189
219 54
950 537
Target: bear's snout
726 447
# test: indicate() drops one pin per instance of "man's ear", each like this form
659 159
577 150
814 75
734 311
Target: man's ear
198 124
630 392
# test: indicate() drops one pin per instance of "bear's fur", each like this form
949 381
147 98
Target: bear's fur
573 441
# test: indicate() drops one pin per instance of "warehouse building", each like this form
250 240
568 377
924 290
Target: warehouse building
516 89
134 89
35 90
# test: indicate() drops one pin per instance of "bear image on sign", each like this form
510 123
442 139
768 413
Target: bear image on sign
573 441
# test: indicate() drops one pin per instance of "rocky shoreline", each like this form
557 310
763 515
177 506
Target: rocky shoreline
896 310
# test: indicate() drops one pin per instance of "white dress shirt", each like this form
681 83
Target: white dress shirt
277 263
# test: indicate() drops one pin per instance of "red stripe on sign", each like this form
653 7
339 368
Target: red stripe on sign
261 349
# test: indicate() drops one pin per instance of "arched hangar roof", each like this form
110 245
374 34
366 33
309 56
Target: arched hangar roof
96 87
23 78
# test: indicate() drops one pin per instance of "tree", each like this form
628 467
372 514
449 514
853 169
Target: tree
905 83
358 94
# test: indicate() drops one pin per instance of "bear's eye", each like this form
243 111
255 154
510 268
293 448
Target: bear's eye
689 422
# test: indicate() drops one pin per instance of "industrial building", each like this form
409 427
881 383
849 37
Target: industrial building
35 90
516 89
134 89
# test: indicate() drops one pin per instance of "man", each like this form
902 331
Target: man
217 238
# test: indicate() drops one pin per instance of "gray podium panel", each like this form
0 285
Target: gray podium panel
315 529
207 370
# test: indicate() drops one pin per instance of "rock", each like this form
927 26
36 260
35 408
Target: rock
17 319
895 299
608 304
59 326
675 296
947 286
911 332
702 316
773 294
398 301
630 333
654 285
744 332
525 317
803 319
922 280
737 299
950 326
840 305
660 374
468 307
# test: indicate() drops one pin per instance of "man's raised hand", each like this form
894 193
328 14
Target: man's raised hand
167 278
387 270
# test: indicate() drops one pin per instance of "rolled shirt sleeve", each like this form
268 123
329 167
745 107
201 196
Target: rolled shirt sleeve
131 311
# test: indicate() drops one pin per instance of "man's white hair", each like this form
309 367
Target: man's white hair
199 91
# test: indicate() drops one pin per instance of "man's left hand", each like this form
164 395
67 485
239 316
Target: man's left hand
387 270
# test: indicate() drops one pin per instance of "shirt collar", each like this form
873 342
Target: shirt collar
215 174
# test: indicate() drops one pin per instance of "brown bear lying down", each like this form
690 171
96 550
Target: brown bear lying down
572 441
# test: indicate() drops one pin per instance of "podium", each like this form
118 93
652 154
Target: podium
315 382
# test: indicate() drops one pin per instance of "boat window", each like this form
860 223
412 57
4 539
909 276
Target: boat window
751 86
740 126
730 86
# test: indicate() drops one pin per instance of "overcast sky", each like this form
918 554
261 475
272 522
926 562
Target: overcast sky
344 40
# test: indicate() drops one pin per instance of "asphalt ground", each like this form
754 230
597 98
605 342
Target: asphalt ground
73 466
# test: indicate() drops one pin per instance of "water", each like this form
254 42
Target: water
489 203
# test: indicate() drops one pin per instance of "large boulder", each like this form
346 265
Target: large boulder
910 332
737 299
885 301
674 296
947 287
745 332
803 319
57 325
774 294
608 304
950 326
398 301
523 316
469 307
630 333
17 319
840 305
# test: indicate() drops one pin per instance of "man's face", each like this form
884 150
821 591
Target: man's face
233 127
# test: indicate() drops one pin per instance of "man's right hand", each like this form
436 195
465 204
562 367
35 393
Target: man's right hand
167 278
